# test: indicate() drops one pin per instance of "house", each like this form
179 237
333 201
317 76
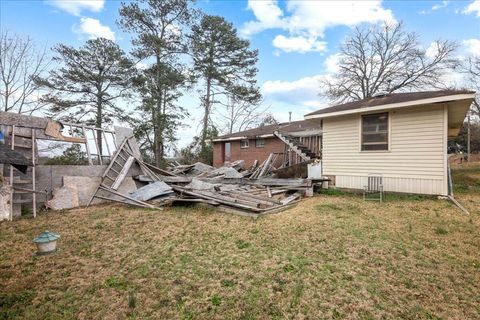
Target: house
295 142
401 136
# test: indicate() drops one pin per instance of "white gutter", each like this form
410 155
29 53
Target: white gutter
269 135
463 96
229 139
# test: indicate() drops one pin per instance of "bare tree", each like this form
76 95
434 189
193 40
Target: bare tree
471 69
21 62
240 115
388 58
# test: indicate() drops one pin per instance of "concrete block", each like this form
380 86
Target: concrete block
65 197
85 187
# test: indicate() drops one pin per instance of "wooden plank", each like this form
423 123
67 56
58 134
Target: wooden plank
101 187
252 196
158 170
123 173
11 176
128 203
269 192
291 198
99 154
196 200
113 160
217 199
86 146
228 199
34 195
78 125
266 166
282 182
176 179
248 198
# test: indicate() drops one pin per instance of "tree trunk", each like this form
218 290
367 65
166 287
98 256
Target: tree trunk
98 124
158 133
203 144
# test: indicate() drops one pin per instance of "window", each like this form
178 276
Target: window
226 151
260 143
244 143
375 132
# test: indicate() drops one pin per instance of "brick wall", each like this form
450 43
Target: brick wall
250 154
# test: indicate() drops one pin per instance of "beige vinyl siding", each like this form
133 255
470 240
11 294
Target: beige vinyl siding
414 163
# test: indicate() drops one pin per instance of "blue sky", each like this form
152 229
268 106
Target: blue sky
297 40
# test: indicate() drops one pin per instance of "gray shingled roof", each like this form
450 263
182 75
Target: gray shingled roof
294 126
388 99
15 158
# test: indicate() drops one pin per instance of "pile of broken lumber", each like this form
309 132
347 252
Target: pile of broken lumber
230 188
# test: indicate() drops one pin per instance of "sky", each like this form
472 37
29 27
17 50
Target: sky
298 41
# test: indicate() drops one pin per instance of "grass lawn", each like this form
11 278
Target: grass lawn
332 256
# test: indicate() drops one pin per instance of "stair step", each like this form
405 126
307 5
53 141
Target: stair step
20 201
24 146
19 181
23 135
21 191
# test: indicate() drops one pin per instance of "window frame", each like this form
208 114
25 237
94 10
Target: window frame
229 158
361 143
244 146
262 145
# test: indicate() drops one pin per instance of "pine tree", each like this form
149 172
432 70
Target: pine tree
158 30
88 84
226 65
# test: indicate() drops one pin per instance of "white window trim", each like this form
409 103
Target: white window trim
360 132
245 147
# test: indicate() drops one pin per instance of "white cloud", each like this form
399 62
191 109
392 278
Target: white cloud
436 7
75 7
432 50
268 15
301 92
472 46
473 7
332 62
94 29
299 44
310 19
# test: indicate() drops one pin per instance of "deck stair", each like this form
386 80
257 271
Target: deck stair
294 144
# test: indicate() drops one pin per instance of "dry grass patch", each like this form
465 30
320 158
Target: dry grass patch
331 256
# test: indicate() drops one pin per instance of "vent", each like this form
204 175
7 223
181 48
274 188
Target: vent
380 94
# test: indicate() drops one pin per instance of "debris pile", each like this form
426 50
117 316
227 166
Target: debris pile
230 188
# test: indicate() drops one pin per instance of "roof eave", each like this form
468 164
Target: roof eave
454 97
269 135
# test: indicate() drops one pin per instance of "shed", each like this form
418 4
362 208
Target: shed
401 136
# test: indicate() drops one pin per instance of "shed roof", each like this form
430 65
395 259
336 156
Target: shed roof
386 100
294 126
15 158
